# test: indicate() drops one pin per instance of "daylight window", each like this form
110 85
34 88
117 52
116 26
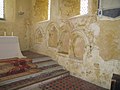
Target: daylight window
83 7
1 9
49 4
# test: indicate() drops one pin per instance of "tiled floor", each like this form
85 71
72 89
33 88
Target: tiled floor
70 83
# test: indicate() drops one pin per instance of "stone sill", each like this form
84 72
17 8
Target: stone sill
43 21
79 16
76 16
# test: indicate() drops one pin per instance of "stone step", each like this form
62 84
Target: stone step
50 60
31 75
37 79
37 86
35 60
47 63
50 66
32 55
48 70
52 69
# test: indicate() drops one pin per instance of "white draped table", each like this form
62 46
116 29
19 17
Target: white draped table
9 47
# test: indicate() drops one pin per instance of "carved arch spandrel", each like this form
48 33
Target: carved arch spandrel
79 44
52 35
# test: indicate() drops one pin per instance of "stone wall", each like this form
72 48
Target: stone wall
40 10
85 45
110 38
68 8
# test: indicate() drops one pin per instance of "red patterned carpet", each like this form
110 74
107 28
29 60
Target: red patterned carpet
14 66
70 83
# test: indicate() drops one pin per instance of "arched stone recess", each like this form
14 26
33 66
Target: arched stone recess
52 35
79 45
64 42
39 35
64 37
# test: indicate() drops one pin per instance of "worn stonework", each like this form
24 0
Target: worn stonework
52 33
77 45
64 33
39 35
110 37
64 42
88 47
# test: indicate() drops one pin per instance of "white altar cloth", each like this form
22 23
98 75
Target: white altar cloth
9 47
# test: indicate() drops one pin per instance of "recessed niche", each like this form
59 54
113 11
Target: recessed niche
52 33
78 43
64 42
38 35
64 37
78 47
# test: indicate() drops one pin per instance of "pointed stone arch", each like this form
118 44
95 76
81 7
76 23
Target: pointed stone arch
64 37
52 35
39 34
64 42
79 44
